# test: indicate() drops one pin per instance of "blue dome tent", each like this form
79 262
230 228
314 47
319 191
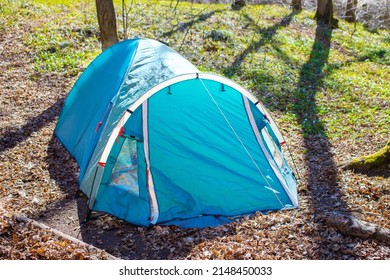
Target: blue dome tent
159 142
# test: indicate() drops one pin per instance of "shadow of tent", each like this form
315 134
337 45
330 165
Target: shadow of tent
155 243
64 171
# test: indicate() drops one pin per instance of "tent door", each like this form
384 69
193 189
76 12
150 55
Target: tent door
125 171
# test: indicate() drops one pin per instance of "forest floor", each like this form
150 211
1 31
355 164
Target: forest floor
326 119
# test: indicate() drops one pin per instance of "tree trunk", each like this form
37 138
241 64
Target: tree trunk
325 13
375 160
350 13
107 23
238 4
296 5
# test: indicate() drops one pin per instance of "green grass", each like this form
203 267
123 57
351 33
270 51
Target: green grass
341 91
62 36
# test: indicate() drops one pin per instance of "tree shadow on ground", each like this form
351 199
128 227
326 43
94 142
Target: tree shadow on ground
266 36
321 175
322 172
186 25
375 172
60 166
14 137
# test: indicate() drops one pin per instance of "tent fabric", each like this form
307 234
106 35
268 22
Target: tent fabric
159 142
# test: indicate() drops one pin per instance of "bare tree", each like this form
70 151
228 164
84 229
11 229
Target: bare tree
238 4
325 13
350 13
126 9
296 5
107 23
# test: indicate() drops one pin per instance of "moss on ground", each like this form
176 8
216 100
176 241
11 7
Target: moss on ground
375 160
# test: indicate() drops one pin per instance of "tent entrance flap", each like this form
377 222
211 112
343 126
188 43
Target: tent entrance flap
125 171
122 191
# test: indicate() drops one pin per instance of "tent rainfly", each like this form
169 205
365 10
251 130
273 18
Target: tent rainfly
159 142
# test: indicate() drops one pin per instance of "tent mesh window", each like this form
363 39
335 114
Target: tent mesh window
125 171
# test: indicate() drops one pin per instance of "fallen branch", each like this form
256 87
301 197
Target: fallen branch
23 219
349 225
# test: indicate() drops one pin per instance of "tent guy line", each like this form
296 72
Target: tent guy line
242 144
